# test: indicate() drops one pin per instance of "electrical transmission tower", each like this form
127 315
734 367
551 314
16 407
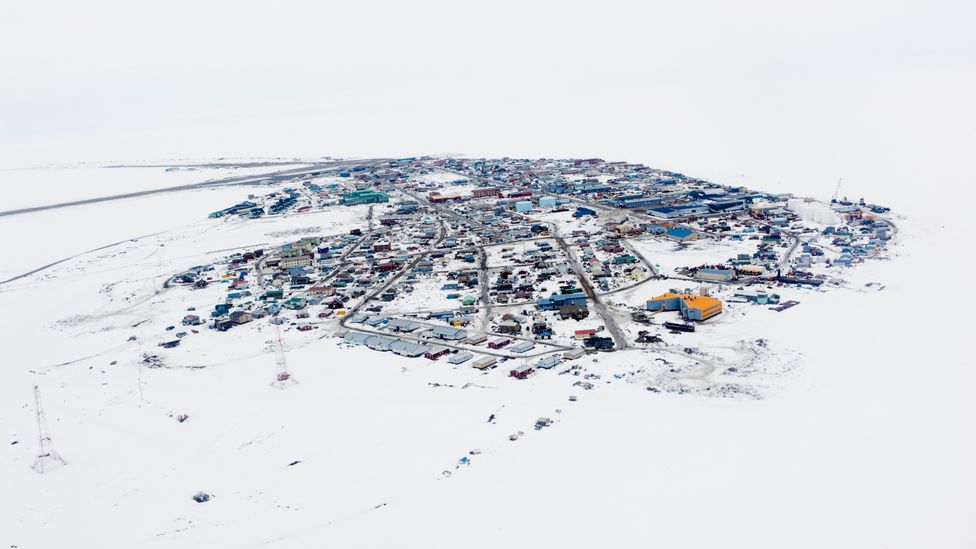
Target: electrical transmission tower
47 457
282 377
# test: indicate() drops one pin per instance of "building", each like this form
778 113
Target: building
295 261
715 275
751 270
691 307
573 354
521 372
574 311
641 202
450 334
681 234
485 363
365 196
483 192
548 362
547 202
555 302
599 343
241 317
523 347
436 352
523 206
460 358
676 212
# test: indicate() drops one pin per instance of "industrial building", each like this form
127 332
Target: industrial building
691 307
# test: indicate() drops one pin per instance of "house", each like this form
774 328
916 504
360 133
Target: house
192 320
583 334
223 324
509 327
574 311
436 352
599 343
521 372
691 307
476 340
241 317
498 343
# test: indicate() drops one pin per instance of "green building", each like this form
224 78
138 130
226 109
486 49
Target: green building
365 196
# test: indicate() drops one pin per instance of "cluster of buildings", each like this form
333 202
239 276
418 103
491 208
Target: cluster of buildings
485 260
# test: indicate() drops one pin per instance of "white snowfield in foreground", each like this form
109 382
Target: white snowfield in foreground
864 443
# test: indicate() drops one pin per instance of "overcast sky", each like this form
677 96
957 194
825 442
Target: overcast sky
769 92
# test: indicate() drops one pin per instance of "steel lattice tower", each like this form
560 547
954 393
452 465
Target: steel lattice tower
282 377
47 457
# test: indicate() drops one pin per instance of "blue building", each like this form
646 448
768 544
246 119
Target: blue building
523 206
554 302
547 202
680 234
674 212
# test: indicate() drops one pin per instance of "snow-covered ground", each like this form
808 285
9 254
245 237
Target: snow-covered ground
859 437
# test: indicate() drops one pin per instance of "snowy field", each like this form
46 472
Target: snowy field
850 428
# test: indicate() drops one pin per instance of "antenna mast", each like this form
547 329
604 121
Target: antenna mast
282 377
47 457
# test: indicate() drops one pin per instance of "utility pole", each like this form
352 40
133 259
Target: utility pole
47 457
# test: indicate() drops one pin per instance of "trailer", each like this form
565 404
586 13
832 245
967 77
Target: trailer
573 354
523 347
436 352
521 372
485 363
679 327
460 358
476 340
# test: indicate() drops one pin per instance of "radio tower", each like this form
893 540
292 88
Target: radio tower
282 377
47 457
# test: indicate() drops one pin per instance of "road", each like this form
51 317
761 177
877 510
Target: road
619 339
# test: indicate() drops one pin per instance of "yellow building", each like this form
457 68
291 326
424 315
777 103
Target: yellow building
692 307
